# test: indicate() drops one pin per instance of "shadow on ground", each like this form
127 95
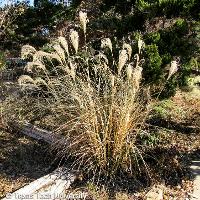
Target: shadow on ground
183 127
22 160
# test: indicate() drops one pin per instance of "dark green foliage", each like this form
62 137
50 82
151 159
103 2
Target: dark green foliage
36 2
181 27
121 6
171 42
128 17
153 37
166 58
170 88
76 3
36 24
185 73
152 67
153 8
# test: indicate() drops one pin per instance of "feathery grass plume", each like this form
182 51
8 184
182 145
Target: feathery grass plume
129 49
27 51
83 20
74 37
57 57
104 122
35 65
129 71
64 44
123 58
137 76
40 55
106 42
40 81
141 45
24 79
173 69
60 52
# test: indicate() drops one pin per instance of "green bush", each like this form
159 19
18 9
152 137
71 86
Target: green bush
163 47
170 88
181 27
152 66
162 109
152 38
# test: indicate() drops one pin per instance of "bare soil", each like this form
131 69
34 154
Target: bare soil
22 160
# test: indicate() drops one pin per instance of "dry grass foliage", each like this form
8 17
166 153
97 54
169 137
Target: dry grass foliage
102 109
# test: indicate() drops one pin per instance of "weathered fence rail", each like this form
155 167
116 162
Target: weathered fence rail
49 187
35 132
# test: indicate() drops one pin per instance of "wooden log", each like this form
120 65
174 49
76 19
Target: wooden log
51 186
35 132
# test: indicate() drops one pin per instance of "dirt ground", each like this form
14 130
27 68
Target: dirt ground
22 160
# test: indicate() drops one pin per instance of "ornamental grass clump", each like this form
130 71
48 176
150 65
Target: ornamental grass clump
102 122
100 111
